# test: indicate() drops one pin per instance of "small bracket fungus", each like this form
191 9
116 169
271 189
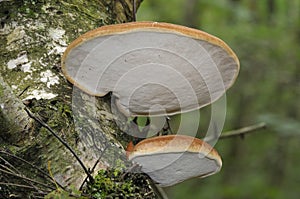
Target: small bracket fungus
171 159
151 68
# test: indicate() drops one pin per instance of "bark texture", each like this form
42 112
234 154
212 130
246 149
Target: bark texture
33 36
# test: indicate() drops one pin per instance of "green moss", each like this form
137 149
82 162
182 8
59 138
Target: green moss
116 183
62 194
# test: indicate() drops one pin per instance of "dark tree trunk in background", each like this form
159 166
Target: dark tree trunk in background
191 13
33 36
271 6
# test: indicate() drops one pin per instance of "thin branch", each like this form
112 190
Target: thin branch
16 185
243 131
33 166
27 179
62 141
96 163
134 10
159 192
36 196
24 91
234 133
6 167
14 172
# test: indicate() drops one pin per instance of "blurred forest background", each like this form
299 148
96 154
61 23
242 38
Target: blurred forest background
265 34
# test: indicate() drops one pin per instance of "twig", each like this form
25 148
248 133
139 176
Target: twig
15 171
7 168
158 190
92 171
37 196
243 131
134 10
27 87
50 173
167 126
33 166
62 141
239 132
27 179
16 185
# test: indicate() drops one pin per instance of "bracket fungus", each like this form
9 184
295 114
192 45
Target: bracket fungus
171 159
156 69
151 68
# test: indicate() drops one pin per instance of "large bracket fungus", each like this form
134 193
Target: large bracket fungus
171 159
151 68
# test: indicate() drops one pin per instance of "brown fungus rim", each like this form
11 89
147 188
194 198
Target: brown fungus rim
174 144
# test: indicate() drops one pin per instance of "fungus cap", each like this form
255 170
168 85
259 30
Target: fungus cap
151 68
171 159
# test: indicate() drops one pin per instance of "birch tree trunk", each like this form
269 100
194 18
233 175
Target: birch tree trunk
33 36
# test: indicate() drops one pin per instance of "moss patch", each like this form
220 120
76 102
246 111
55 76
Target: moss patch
115 183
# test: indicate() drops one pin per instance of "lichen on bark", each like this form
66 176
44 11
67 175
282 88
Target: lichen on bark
33 36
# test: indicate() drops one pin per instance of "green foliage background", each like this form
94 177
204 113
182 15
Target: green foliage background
265 34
